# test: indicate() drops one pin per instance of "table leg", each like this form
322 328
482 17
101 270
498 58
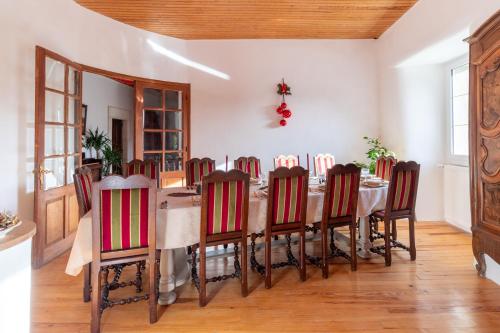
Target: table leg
167 279
364 244
175 271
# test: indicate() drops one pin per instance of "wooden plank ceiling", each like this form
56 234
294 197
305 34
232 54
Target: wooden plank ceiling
256 19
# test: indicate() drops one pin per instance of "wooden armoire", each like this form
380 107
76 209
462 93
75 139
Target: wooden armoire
484 140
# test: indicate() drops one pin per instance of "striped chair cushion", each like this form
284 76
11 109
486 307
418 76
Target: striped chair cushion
124 219
225 207
253 167
383 168
241 164
84 182
287 199
404 190
341 192
286 161
322 163
145 168
197 169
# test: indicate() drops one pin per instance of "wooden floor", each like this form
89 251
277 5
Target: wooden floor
439 292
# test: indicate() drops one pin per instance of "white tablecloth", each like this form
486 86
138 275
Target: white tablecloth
178 226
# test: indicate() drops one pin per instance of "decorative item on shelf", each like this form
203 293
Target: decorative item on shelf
283 110
8 222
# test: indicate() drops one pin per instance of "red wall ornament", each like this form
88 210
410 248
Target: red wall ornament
283 110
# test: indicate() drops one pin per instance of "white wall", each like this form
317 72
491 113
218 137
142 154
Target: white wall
457 196
100 92
412 56
412 87
333 101
81 35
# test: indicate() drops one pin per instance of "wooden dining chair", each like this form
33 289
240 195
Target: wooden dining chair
322 163
148 168
286 161
383 168
123 231
82 179
339 210
197 168
240 163
250 165
224 220
286 214
400 204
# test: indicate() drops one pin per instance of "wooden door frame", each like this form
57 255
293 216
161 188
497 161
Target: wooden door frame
138 137
38 256
186 119
41 251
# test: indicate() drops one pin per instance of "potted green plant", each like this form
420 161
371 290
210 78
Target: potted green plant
376 150
95 140
112 160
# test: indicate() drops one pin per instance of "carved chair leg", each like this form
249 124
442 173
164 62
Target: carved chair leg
413 249
268 261
252 252
332 239
387 238
138 276
86 282
302 255
203 276
244 268
324 250
153 303
95 320
394 231
237 266
354 260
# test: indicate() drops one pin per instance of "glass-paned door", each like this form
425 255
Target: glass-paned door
57 152
162 117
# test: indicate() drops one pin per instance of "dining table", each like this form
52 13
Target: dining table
178 226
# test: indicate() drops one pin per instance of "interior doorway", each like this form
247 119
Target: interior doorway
60 120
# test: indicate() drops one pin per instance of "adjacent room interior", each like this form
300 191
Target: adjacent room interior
250 166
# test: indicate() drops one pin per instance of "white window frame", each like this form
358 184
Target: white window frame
460 160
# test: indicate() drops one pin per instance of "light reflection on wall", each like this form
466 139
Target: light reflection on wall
185 61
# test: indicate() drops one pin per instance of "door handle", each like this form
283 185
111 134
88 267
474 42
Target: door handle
41 172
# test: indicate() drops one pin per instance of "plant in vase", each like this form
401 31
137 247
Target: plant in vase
112 160
95 140
376 150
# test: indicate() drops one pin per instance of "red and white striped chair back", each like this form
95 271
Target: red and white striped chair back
125 212
288 195
289 161
148 168
402 192
82 178
197 168
342 190
322 163
250 165
383 168
224 202
241 163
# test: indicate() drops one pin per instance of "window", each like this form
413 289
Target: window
459 110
